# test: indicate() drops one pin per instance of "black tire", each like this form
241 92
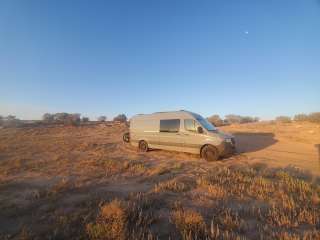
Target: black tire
143 146
210 153
126 137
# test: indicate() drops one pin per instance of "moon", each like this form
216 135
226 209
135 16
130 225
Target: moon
246 32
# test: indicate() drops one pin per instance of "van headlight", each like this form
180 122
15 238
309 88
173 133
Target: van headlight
231 141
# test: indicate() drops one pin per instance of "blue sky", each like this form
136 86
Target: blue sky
257 58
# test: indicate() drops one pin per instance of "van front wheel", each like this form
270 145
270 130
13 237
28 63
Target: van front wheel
143 146
210 153
126 137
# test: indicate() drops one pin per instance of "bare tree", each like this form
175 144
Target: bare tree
102 118
10 121
47 117
67 118
120 118
314 117
246 119
11 118
60 117
232 118
283 119
301 117
85 119
216 120
73 119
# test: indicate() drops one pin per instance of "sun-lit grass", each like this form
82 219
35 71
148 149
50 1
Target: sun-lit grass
189 223
111 223
99 192
114 167
173 185
121 219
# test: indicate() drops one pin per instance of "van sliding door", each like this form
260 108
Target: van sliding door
169 136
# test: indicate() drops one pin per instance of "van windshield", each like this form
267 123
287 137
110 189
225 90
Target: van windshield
205 123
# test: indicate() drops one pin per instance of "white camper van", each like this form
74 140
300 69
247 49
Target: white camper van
179 131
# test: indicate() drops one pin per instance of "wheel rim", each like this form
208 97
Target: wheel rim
126 138
143 146
209 155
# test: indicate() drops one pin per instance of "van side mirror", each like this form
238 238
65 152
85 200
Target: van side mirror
200 130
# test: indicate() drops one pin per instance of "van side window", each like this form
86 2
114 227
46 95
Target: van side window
170 125
190 125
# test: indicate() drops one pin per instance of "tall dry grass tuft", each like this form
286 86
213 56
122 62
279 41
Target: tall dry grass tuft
121 219
190 224
173 185
282 199
111 223
132 167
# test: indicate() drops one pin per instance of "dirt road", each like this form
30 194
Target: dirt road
280 145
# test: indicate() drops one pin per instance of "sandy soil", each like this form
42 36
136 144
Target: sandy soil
56 176
280 145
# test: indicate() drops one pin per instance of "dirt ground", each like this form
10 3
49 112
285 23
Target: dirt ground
60 182
280 145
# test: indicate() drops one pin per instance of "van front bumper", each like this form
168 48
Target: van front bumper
227 148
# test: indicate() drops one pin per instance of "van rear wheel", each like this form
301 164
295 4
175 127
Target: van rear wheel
143 146
126 137
210 153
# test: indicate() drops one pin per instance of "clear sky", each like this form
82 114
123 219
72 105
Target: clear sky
257 58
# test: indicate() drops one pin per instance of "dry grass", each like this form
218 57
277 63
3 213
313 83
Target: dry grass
132 167
174 185
84 183
189 223
121 219
282 201
240 203
111 223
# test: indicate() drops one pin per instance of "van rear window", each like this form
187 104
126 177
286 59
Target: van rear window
170 125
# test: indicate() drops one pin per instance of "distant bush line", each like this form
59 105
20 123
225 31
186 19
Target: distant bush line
63 118
9 121
237 119
312 117
301 117
231 119
75 118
